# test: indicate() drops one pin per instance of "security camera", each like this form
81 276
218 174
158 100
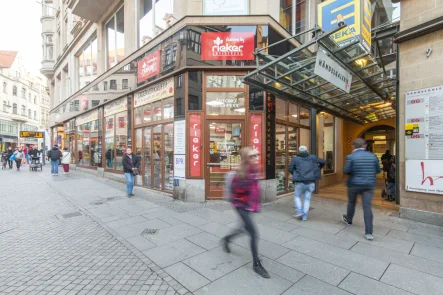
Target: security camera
428 52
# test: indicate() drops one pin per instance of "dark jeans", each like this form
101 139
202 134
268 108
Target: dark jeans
250 228
11 164
18 163
366 195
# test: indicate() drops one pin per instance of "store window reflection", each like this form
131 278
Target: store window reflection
87 144
109 142
121 138
225 103
115 38
328 142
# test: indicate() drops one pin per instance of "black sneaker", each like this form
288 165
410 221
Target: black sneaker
225 245
260 270
345 220
132 195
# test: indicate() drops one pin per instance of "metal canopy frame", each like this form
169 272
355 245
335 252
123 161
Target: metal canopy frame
292 76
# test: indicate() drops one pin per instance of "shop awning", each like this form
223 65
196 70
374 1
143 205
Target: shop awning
368 97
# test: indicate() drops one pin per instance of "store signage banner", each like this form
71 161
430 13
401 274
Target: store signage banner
83 102
270 136
329 13
116 106
366 24
87 117
179 167
195 145
180 137
255 135
155 92
225 7
148 67
424 176
332 72
227 46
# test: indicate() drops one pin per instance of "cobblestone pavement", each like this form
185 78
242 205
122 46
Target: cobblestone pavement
79 234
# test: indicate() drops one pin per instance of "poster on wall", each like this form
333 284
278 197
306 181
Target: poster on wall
154 93
227 46
116 106
180 137
148 67
424 124
179 167
424 176
225 7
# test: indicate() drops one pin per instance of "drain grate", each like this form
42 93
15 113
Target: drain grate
70 215
149 232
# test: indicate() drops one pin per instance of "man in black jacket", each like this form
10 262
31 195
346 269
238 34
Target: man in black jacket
131 164
54 155
33 152
305 170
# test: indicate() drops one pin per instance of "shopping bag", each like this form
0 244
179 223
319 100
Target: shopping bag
12 158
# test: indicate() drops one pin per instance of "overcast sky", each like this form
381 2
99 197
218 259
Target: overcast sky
20 30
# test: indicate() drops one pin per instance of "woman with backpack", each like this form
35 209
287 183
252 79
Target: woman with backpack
245 197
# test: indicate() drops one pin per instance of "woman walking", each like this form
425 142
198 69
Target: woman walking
66 160
19 156
245 197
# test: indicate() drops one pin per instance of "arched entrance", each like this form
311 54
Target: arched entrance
380 139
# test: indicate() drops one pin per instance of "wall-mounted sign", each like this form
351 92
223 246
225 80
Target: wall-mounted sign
270 136
227 46
424 176
225 7
87 117
148 67
180 137
255 135
155 92
83 102
379 138
332 72
31 134
195 145
179 166
366 24
116 106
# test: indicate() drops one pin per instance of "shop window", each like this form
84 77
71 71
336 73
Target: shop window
168 139
138 152
224 82
281 109
293 113
195 91
14 90
157 111
121 138
329 143
109 142
168 108
304 117
115 38
225 103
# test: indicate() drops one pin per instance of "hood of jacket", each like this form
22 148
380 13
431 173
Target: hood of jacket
303 154
55 149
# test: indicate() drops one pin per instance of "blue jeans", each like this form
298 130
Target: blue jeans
129 182
303 189
54 166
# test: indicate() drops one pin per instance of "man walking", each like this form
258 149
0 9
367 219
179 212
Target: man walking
305 170
10 152
54 155
362 168
131 164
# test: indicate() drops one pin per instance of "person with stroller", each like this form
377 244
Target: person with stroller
245 197
390 181
10 152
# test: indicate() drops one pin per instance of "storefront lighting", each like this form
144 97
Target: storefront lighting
278 85
361 62
295 116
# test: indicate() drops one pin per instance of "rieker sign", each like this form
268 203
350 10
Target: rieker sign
148 66
227 46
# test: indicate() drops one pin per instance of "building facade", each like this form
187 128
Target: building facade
166 78
24 99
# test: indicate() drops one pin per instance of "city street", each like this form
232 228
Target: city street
78 234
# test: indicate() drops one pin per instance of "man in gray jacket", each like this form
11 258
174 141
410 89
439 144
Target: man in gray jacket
362 168
305 170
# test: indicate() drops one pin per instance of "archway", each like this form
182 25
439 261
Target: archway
379 139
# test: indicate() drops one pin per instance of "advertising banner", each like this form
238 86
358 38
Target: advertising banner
87 117
155 92
255 135
180 137
149 66
195 145
424 176
116 106
332 72
366 24
227 46
179 166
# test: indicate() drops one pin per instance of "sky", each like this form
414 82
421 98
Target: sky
20 30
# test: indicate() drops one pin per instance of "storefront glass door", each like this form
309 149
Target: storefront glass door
147 157
223 154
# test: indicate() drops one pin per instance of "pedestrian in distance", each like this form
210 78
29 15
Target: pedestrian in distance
10 152
362 168
390 181
244 195
305 169
66 160
131 168
54 155
19 156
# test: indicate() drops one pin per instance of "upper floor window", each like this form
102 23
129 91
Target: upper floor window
5 86
14 90
87 61
194 41
105 85
48 8
113 84
29 114
35 99
115 38
24 93
29 97
125 84
23 110
5 106
35 115
14 108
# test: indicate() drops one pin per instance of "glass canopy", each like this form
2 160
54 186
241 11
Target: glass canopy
291 76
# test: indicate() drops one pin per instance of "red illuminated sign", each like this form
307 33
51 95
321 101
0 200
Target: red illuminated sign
227 46
149 66
195 145
255 135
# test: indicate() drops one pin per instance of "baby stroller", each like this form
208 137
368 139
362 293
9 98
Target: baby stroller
388 192
4 160
35 164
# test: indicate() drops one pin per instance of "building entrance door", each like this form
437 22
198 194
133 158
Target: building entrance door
225 138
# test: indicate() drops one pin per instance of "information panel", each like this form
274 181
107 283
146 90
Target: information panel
31 134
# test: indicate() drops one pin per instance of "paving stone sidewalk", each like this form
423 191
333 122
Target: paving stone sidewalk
151 244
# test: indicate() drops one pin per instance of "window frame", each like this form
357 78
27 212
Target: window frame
113 18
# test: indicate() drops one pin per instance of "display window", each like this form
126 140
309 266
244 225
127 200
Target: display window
116 140
89 153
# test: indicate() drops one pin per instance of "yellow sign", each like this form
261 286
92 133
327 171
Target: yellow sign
31 134
366 23
411 126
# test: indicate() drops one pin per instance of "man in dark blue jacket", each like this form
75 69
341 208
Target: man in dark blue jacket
362 168
305 170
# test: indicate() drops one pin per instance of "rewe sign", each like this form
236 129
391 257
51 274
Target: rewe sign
149 66
227 46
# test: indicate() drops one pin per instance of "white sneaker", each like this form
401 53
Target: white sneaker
369 237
